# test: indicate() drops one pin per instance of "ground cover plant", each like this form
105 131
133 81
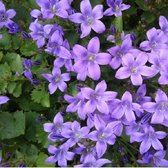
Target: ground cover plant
83 83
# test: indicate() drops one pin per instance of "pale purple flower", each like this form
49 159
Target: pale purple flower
149 138
118 52
5 16
87 61
76 103
139 97
63 60
98 98
55 46
156 159
156 40
158 108
124 107
55 128
4 99
75 133
40 33
57 80
89 18
91 161
103 135
134 68
51 8
60 155
116 8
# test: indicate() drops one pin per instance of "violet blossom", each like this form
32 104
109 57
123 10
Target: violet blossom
89 18
87 61
116 8
57 80
98 98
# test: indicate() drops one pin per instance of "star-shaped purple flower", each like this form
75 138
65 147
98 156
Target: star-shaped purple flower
124 107
60 155
98 98
149 138
87 61
158 108
89 18
116 8
134 68
57 80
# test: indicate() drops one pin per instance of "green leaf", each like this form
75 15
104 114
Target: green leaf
29 48
41 96
18 90
15 62
5 42
11 125
41 161
11 87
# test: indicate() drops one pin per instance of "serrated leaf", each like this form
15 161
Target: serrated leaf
41 96
15 62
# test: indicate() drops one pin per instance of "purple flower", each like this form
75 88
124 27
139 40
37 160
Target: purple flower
134 68
159 108
89 18
55 127
156 40
51 8
156 159
90 161
98 98
60 155
75 133
163 24
139 97
5 16
116 8
57 80
118 52
62 60
103 135
87 61
4 99
124 107
13 27
40 33
55 47
149 138
76 104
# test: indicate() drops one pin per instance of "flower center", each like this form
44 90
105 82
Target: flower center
117 8
54 9
91 57
163 106
2 17
119 54
77 135
101 136
89 20
133 70
153 45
